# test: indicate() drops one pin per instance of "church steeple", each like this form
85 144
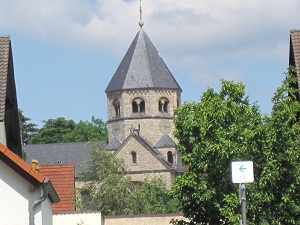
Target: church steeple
142 92
142 68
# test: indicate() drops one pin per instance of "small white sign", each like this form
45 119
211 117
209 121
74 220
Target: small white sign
242 172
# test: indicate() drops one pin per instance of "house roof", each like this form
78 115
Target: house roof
142 68
165 141
8 97
76 153
113 144
26 171
147 146
294 59
62 177
4 57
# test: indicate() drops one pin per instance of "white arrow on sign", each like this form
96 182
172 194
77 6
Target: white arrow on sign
242 172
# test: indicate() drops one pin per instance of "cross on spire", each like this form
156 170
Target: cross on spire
141 12
141 23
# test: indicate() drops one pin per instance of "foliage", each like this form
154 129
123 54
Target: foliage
96 130
61 130
224 127
53 131
107 188
28 130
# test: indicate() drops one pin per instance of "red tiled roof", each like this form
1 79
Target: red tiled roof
20 166
62 178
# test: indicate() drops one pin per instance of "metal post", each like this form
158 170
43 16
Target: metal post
243 202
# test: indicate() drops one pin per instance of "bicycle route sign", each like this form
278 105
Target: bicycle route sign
242 172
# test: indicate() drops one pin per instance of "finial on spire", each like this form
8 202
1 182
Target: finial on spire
141 23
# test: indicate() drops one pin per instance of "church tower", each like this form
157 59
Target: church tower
141 98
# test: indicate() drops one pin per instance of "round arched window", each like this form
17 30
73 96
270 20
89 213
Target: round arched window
133 155
170 157
163 105
138 105
116 104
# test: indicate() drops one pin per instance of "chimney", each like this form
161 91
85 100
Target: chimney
34 165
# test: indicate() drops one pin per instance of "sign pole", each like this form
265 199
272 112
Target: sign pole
241 173
243 202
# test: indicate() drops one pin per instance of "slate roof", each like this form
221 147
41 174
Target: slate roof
113 144
62 178
4 57
165 141
26 171
76 153
294 59
142 68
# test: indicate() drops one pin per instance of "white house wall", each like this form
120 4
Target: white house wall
15 200
2 133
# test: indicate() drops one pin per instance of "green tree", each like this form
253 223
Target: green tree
61 130
28 130
278 183
96 130
107 188
224 127
53 131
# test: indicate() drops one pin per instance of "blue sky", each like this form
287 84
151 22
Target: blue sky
66 51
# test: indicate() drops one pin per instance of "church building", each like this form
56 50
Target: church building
141 98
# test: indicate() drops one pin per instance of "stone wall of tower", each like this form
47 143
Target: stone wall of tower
149 120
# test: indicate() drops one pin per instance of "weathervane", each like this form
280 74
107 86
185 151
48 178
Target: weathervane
141 23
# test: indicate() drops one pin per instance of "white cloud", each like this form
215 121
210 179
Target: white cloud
203 40
188 25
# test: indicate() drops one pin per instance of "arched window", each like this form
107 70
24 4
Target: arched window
135 107
159 106
116 105
166 105
170 157
138 105
133 155
163 105
142 107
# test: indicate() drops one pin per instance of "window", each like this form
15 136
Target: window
138 105
135 107
170 157
133 155
116 105
166 107
142 106
163 105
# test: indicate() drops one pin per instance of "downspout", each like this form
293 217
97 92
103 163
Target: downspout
37 202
